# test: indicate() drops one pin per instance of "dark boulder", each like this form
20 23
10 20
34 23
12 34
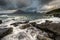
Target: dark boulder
33 23
5 31
43 38
14 24
0 21
55 27
17 23
47 21
44 25
56 15
57 38
51 35
24 26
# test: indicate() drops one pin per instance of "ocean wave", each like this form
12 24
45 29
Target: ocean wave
29 33
54 19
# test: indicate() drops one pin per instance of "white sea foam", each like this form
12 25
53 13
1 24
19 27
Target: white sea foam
54 19
26 34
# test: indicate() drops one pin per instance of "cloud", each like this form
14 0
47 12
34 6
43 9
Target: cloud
11 4
27 4
43 2
2 2
56 3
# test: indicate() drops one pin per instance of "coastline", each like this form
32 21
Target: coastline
23 26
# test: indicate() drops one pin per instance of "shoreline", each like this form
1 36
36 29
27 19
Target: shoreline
40 24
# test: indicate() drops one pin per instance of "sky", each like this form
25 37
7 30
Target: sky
30 5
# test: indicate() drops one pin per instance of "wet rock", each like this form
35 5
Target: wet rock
0 21
5 31
55 12
33 23
14 19
17 23
50 27
47 21
27 21
57 38
23 36
51 35
18 36
57 15
40 37
25 26
33 31
44 25
54 27
14 24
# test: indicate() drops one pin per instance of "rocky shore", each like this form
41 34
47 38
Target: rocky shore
54 12
30 30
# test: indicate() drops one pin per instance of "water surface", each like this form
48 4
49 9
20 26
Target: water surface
28 16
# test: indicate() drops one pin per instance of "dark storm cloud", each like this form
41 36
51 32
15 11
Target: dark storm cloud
27 4
2 2
10 4
46 1
22 3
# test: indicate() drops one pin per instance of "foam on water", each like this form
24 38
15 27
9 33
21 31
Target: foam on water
19 34
54 19
26 34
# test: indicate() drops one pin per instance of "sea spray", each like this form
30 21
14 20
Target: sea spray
29 33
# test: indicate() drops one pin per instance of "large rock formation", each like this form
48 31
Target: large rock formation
0 21
5 31
55 12
49 26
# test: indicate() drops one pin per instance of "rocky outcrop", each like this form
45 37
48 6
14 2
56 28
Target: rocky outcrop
17 23
53 29
30 33
0 21
32 23
55 12
43 38
24 26
48 25
5 31
57 38
30 30
44 25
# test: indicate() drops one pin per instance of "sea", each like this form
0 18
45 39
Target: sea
22 16
30 33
